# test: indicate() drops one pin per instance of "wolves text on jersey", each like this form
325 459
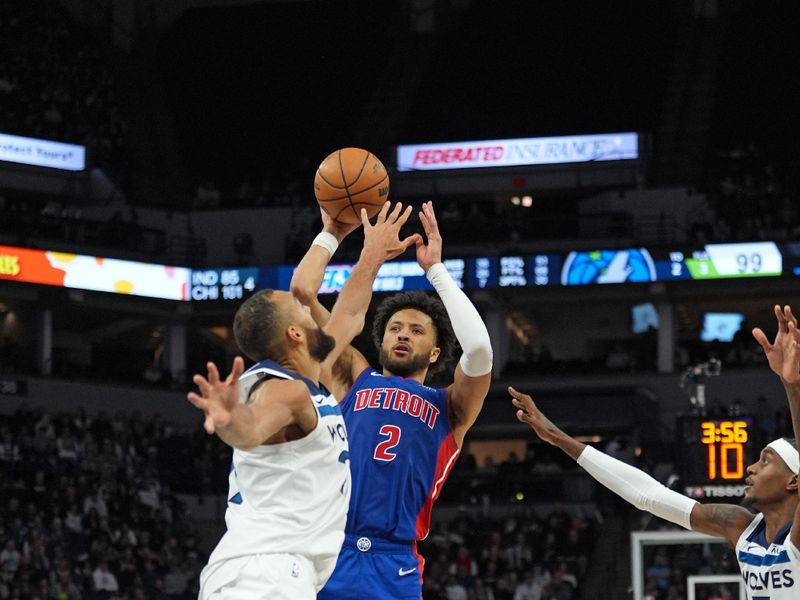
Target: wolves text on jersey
768 580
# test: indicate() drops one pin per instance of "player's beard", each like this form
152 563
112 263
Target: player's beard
750 501
320 344
404 367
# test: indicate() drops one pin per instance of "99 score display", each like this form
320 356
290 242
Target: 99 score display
714 455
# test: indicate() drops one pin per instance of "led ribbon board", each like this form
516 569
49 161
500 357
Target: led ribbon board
393 276
518 152
94 273
42 153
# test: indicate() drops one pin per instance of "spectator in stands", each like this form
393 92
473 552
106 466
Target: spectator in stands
105 582
79 554
563 584
454 590
481 591
519 555
528 588
9 449
9 561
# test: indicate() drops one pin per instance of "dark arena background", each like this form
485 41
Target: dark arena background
617 188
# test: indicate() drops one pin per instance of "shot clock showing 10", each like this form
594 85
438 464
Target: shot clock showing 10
725 443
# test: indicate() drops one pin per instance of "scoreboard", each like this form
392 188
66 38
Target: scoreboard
636 265
714 455
718 261
223 284
580 267
576 268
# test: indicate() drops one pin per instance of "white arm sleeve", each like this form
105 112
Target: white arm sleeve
467 323
637 487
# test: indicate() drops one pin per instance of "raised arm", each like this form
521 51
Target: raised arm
273 405
473 374
306 281
792 387
307 277
783 356
381 243
635 486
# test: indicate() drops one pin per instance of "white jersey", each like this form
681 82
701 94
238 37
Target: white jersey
290 498
770 571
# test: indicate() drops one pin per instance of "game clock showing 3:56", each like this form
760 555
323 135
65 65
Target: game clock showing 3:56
714 455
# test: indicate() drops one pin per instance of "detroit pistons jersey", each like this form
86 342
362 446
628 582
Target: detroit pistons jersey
292 497
770 571
401 451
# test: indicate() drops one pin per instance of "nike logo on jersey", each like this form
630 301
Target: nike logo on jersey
404 572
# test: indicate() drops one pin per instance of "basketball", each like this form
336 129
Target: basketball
347 181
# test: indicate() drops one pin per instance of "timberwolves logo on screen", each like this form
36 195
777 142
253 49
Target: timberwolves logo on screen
608 266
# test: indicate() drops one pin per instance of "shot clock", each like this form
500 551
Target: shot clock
714 455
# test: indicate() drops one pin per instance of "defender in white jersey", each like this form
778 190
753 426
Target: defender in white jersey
290 478
287 498
767 544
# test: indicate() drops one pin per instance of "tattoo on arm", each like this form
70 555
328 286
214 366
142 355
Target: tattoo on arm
720 515
723 520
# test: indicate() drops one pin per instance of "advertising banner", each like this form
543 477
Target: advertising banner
94 273
42 153
516 152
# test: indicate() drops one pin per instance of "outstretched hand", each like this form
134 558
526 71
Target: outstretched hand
218 398
431 253
383 238
528 413
783 353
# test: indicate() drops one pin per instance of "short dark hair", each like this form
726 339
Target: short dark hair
424 303
256 327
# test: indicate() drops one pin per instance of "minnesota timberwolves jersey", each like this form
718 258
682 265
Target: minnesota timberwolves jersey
401 450
290 498
770 571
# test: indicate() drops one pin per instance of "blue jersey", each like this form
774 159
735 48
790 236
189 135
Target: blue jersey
401 450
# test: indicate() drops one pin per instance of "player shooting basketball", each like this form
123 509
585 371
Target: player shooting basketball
404 435
289 481
767 544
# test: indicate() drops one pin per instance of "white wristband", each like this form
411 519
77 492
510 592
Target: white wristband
327 241
637 487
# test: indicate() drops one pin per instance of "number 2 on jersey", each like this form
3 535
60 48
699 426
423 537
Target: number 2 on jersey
382 449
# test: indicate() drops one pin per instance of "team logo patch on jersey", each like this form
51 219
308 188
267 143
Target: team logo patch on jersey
364 544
